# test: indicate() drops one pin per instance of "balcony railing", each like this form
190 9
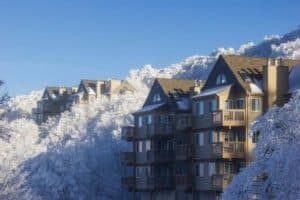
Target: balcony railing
183 152
127 133
154 156
152 130
229 149
151 183
128 182
229 117
183 182
128 158
221 182
183 122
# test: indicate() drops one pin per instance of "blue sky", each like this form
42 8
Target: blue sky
59 42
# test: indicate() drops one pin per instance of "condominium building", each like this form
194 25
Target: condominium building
190 138
56 100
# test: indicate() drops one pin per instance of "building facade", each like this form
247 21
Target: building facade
56 100
195 152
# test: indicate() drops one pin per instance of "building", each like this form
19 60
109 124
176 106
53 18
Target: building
195 152
56 100
89 90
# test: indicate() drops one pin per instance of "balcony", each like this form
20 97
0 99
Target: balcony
154 156
127 133
154 130
183 182
128 182
183 152
212 183
229 150
151 183
221 182
128 158
229 117
183 122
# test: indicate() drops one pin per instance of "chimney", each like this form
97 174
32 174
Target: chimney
275 82
196 89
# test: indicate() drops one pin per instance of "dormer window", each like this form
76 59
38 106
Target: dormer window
156 98
221 79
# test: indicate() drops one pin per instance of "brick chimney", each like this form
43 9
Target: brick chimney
275 82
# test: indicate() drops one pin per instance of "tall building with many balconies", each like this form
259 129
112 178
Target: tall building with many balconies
189 146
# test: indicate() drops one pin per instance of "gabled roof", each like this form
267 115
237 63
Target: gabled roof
175 86
245 67
85 84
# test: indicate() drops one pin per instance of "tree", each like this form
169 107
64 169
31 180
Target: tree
3 97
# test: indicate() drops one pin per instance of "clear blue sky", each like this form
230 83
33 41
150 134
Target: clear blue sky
59 42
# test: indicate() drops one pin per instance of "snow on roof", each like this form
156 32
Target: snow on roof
256 87
213 91
294 78
183 104
150 108
53 96
91 91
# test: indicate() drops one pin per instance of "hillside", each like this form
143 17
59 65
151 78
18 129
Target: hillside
76 156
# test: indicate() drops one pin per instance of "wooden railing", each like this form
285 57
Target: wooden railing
229 149
221 182
229 117
128 182
151 130
183 152
183 122
158 182
127 132
128 158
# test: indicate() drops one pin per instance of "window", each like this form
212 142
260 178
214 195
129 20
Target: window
200 139
139 171
213 137
148 145
149 119
256 105
199 169
140 121
255 136
229 104
140 146
211 168
229 136
212 105
156 98
228 168
240 103
181 171
199 108
221 79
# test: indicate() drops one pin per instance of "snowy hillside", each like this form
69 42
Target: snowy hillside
77 156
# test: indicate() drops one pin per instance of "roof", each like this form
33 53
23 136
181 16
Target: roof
213 91
171 86
150 108
245 67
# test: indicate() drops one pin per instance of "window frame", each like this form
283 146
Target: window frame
200 139
257 109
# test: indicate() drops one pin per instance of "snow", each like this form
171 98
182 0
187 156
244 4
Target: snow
91 91
213 91
77 156
150 108
294 79
255 89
